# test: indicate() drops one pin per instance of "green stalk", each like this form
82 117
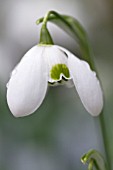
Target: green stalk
75 30
106 145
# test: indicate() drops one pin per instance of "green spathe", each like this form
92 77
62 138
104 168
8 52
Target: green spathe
45 37
59 69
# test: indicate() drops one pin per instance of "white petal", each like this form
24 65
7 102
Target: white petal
87 85
28 84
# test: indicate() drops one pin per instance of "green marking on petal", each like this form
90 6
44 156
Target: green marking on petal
59 69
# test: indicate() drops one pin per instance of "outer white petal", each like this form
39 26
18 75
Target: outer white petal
86 83
28 84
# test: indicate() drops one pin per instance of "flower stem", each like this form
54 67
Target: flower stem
46 19
105 142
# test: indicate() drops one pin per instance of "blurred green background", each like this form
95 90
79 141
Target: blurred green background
60 131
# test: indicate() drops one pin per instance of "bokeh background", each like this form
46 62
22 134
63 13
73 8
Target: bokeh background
60 131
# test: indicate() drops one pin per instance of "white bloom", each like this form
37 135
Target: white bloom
42 64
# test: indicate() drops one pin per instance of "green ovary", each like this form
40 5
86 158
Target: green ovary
59 69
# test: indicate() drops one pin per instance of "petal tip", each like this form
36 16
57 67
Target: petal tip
96 109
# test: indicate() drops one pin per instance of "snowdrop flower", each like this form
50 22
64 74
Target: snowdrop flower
44 64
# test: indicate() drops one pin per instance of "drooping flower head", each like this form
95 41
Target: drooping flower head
47 64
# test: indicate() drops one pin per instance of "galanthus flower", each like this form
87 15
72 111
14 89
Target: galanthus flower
51 64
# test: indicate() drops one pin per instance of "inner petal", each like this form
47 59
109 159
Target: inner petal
58 71
56 59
